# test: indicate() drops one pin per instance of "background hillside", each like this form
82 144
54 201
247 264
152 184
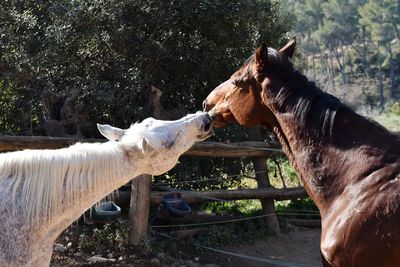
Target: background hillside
352 49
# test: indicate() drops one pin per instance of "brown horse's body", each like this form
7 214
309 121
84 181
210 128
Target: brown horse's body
349 165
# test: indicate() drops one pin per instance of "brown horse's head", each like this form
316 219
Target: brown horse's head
242 98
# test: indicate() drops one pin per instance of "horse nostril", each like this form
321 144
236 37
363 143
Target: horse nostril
207 125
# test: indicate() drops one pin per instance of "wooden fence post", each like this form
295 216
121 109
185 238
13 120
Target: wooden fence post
139 208
261 173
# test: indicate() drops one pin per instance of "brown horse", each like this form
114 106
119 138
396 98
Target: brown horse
349 165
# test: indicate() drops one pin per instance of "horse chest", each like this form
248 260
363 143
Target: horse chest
361 230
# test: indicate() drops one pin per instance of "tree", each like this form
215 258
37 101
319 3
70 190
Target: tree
308 17
339 29
383 27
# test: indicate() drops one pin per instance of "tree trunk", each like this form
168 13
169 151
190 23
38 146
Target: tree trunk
364 59
313 66
339 58
261 173
392 74
332 71
380 79
396 21
350 64
325 67
308 51
381 89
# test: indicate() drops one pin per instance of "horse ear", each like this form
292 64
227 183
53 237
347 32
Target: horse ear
110 132
261 56
144 146
288 49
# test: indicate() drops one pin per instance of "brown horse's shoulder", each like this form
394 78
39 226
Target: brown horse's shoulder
361 228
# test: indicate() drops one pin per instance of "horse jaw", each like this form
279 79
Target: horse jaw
239 111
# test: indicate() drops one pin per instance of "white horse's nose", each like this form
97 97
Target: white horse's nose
207 123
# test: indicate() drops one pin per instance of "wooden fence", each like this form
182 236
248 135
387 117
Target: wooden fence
141 197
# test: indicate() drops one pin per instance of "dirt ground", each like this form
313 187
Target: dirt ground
298 247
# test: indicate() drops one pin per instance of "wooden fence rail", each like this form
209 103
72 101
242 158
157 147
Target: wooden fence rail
192 197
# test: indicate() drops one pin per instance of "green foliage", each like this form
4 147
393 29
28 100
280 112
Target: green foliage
248 207
113 50
395 108
108 235
298 208
279 168
379 18
304 204
390 118
339 24
237 233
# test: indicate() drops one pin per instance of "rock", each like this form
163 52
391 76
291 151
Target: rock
155 261
110 255
69 244
100 259
196 259
60 248
120 258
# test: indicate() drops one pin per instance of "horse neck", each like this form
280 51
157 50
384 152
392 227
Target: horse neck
75 178
324 157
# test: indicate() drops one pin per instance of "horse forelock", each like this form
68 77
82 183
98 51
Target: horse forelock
48 181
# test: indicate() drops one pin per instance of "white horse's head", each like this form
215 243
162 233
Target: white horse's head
158 142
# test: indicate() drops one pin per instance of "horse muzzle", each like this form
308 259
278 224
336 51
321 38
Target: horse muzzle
206 127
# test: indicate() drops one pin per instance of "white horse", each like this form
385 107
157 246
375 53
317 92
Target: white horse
43 191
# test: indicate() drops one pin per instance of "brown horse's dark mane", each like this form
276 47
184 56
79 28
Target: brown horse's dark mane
313 109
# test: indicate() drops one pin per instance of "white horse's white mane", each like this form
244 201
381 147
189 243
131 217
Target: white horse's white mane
45 178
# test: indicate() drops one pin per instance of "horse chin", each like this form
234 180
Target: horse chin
222 119
205 136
